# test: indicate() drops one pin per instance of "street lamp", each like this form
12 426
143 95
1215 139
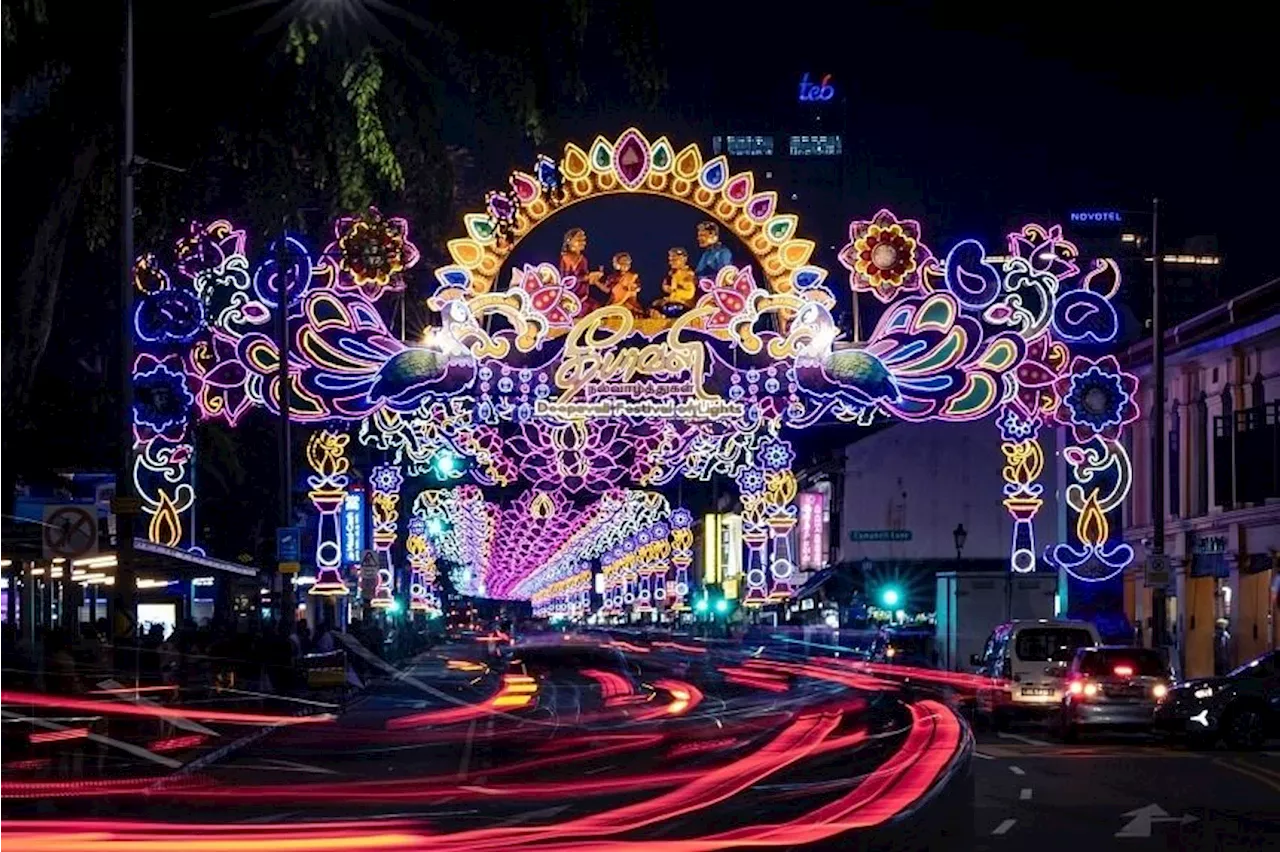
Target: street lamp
959 534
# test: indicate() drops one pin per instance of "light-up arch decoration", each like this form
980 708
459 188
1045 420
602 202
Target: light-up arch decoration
578 407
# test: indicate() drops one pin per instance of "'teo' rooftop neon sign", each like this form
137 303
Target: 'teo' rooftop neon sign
810 91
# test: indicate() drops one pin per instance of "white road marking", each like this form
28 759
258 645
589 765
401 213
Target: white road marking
982 756
1025 794
1003 828
1018 737
1016 770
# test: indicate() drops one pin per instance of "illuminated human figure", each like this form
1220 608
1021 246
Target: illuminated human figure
624 285
715 256
679 287
573 261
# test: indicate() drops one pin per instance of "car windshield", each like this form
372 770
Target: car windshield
1051 644
1125 662
1259 666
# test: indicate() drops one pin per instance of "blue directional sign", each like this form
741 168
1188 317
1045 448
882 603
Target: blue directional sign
288 544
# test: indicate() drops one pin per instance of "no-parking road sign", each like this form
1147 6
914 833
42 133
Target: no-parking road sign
70 532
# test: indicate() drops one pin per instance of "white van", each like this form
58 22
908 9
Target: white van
1024 660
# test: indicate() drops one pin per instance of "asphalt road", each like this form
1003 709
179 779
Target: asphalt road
1028 791
1122 793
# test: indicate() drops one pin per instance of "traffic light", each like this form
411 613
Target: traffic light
722 606
890 597
700 605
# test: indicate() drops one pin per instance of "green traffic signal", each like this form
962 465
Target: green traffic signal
890 597
722 606
700 605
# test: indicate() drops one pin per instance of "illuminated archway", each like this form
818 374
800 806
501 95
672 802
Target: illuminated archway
631 164
588 408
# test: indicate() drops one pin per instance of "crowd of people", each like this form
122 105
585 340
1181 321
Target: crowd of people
270 657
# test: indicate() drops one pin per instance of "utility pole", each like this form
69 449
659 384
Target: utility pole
124 613
1158 616
284 267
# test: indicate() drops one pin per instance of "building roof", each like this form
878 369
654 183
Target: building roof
1239 318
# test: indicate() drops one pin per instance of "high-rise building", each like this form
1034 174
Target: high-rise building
800 151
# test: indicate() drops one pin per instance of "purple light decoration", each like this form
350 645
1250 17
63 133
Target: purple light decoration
385 483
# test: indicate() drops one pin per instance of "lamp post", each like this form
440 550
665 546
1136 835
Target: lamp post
958 535
124 609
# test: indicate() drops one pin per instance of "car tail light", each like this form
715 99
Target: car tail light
1123 671
1159 690
1082 687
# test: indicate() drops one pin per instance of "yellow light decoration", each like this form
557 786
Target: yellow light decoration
633 164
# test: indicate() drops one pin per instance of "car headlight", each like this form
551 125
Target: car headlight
1204 692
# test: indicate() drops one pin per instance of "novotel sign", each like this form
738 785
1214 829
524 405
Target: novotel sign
816 92
1097 217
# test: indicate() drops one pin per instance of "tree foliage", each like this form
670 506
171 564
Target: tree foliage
284 113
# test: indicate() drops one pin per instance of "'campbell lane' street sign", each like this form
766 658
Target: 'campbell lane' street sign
879 535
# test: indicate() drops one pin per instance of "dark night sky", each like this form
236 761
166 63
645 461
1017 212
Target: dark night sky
974 116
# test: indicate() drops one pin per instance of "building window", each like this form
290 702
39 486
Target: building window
1202 457
717 144
815 146
1223 453
1257 440
748 146
1175 467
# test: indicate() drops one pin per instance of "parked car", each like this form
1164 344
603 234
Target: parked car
1112 687
905 646
1242 708
1024 660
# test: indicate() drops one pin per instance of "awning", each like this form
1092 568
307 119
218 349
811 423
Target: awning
816 582
155 556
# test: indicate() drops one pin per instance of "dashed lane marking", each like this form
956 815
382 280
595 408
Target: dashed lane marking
1017 770
1025 794
1028 740
982 756
1003 828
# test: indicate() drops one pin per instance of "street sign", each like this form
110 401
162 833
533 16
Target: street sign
123 505
289 567
369 565
288 544
70 532
1157 570
879 535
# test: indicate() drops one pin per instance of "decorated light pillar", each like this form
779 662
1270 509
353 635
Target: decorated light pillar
385 483
1023 466
681 557
326 454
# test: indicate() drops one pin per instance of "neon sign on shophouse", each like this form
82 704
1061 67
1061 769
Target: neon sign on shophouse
821 91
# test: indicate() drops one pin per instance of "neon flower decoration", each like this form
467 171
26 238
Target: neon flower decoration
885 256
577 411
374 250
1098 398
326 455
385 482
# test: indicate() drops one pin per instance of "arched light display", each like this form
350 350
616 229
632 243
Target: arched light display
554 378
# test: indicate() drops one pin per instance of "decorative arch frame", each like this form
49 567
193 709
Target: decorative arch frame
630 164
511 380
